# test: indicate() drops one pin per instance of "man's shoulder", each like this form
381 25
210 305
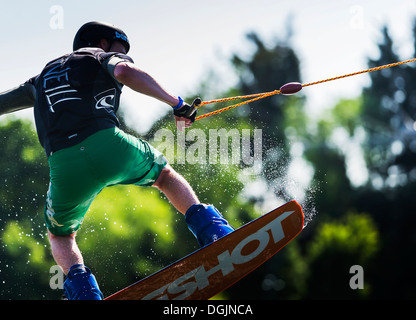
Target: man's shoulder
100 54
83 52
68 59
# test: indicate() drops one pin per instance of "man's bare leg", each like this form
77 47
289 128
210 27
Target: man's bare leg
65 251
176 189
204 221
80 283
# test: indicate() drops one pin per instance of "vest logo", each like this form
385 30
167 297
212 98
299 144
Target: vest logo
106 100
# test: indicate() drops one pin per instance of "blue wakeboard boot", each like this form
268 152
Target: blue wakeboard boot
206 223
81 284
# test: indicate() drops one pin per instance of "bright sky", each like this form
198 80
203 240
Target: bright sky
179 41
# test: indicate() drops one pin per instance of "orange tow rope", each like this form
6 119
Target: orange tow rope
287 89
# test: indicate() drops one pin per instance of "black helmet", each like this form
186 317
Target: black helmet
92 32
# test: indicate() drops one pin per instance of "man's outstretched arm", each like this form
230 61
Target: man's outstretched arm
21 97
130 75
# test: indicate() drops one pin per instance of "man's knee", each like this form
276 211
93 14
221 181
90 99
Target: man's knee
166 174
51 236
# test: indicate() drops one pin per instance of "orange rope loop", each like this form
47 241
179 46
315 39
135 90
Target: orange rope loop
256 97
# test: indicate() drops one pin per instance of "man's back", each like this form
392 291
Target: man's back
75 97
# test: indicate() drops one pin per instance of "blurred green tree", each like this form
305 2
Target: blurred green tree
378 130
334 249
389 117
24 259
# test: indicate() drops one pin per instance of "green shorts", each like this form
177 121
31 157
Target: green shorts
108 157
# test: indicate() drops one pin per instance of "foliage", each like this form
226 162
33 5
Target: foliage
335 246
